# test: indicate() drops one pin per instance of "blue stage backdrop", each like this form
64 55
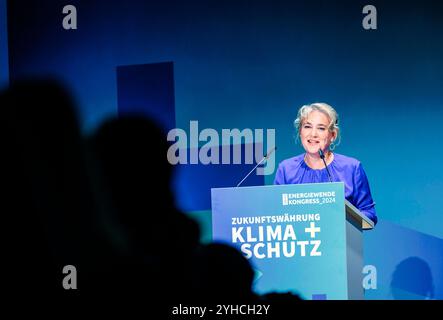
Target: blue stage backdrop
252 64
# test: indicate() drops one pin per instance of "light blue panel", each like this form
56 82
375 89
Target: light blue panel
306 274
354 252
409 263
4 68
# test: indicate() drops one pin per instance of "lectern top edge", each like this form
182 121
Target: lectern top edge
278 185
364 222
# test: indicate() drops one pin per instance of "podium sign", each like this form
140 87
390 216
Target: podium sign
296 237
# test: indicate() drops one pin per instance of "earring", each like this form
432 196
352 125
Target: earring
332 145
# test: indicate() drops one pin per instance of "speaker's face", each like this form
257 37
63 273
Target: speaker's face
315 133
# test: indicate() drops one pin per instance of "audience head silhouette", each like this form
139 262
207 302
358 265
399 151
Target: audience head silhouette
49 200
412 280
223 273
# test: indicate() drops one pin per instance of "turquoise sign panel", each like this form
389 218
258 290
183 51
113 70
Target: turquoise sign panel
293 235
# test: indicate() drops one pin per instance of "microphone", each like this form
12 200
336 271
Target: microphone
263 159
322 156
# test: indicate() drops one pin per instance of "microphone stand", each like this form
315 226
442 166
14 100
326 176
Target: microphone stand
322 156
263 159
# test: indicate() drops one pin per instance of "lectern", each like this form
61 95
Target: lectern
304 238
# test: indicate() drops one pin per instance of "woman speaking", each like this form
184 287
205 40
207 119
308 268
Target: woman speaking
318 128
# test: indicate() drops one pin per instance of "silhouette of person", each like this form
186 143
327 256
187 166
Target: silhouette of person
50 220
131 155
412 280
222 274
